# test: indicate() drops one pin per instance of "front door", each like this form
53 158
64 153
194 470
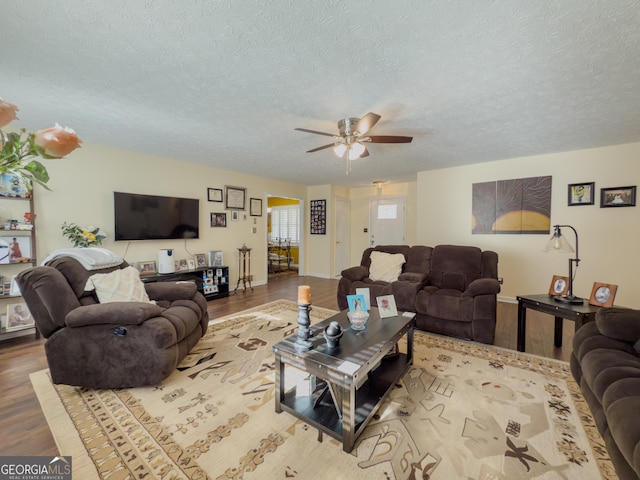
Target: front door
387 221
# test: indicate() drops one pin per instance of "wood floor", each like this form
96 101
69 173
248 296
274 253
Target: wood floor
24 428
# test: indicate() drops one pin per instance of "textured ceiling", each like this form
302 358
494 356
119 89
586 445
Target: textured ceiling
224 83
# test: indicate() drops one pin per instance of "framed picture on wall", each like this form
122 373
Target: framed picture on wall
618 197
235 198
255 207
218 219
581 194
318 217
214 194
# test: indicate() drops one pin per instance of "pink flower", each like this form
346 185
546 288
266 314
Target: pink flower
56 142
7 112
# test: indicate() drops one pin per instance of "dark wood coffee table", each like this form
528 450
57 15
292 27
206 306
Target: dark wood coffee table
359 374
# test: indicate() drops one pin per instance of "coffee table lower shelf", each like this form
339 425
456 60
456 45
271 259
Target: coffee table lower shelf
324 416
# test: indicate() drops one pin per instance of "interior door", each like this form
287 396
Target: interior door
341 251
387 221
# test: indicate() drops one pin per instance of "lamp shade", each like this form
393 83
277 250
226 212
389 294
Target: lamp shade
340 149
356 150
558 243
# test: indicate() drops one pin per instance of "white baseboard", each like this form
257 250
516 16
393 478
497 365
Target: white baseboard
505 299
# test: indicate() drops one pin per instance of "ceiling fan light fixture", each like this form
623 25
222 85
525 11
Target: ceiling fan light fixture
356 150
340 149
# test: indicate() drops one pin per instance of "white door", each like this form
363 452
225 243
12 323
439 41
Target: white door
387 221
341 252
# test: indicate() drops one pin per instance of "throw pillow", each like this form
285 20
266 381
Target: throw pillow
385 266
122 285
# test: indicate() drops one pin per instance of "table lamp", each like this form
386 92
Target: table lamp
558 244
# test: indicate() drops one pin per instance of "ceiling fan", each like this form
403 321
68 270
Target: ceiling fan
349 143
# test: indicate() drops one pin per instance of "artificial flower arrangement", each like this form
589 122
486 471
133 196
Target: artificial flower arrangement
83 236
18 150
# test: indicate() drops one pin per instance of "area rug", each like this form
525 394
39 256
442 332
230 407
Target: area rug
462 411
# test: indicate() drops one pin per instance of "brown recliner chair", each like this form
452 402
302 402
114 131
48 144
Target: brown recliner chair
111 345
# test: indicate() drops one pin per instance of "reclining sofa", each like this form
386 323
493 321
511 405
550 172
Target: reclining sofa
452 289
606 364
116 344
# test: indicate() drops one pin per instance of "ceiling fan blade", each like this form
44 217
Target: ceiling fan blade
365 153
316 132
367 122
322 147
386 139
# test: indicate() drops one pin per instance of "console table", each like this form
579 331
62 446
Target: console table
545 303
212 282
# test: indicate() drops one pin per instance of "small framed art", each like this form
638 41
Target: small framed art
602 294
559 285
356 303
218 219
236 198
581 194
200 260
216 258
618 197
147 268
387 306
255 207
214 194
235 216
318 217
18 316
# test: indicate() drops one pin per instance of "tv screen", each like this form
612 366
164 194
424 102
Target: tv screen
151 217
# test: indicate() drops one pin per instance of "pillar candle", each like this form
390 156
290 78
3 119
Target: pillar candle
304 294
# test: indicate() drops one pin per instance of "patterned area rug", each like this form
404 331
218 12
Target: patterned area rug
463 410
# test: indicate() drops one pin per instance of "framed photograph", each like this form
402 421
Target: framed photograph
216 258
559 285
200 260
318 217
214 194
602 294
356 303
17 251
255 207
191 264
218 219
235 198
366 293
182 265
582 193
618 197
235 216
387 306
18 316
147 268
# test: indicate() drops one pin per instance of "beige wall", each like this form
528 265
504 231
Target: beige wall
82 192
608 236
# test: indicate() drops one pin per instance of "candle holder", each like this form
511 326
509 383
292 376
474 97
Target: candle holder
304 333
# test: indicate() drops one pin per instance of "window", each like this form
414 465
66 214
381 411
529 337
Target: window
285 223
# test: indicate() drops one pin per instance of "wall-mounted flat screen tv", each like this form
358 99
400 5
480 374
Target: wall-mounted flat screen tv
151 217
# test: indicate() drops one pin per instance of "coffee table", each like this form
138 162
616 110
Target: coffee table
359 374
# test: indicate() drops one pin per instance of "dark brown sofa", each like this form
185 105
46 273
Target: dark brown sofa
606 364
111 345
452 289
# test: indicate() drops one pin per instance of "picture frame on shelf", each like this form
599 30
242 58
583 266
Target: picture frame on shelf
602 294
559 286
13 186
214 194
182 265
15 249
191 264
18 317
581 194
255 207
618 197
216 258
200 260
235 198
147 267
219 219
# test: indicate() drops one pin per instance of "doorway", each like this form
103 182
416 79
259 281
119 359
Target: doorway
387 224
342 251
284 236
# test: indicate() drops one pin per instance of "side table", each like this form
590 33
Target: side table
244 268
545 303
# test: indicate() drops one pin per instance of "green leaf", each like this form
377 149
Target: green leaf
38 170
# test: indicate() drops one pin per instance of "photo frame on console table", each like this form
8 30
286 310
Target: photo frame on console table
602 294
236 198
581 194
146 268
618 197
559 285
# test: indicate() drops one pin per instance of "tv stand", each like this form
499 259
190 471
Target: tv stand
212 282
